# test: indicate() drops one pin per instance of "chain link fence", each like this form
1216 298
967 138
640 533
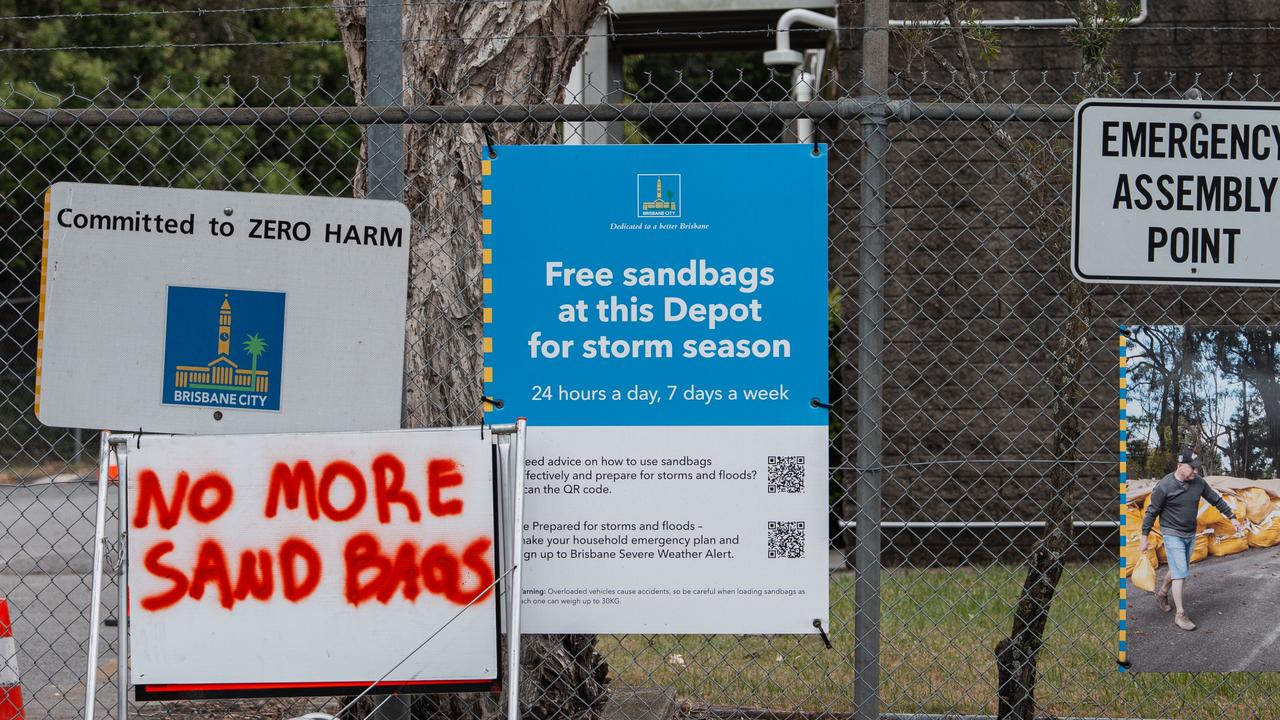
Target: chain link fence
975 320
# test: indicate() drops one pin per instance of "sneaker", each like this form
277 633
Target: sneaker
1183 622
1162 599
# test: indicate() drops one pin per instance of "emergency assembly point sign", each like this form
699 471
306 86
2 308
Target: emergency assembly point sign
193 311
1176 192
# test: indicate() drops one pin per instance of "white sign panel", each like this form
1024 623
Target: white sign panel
1176 192
194 311
650 529
312 564
663 328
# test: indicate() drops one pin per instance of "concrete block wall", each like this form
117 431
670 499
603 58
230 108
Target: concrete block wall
974 292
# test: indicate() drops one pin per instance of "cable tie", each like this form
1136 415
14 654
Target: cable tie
826 640
488 138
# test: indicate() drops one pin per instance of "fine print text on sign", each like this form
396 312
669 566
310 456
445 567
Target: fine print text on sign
220 312
664 329
347 550
1176 192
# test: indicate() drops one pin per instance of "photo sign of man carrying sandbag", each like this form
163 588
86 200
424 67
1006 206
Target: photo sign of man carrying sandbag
1174 500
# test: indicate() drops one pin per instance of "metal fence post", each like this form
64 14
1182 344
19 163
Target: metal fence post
384 173
874 181
384 33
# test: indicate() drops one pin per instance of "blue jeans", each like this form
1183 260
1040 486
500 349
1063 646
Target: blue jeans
1178 550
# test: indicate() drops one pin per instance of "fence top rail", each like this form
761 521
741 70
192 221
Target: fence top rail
846 109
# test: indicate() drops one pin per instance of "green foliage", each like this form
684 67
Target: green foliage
704 77
1213 390
164 74
1099 23
189 60
986 39
918 40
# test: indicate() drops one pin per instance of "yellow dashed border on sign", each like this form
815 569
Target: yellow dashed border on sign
44 281
1123 384
486 283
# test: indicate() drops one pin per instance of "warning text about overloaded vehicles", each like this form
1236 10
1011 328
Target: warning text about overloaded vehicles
625 297
1196 184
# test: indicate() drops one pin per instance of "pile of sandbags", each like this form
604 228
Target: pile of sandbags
1228 537
1255 504
1131 530
1266 534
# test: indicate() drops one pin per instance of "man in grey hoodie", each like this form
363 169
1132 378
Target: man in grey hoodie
1175 500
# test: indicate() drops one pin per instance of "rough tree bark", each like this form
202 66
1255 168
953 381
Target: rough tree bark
474 53
1017 655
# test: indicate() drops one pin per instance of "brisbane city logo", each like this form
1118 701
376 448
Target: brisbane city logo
658 196
223 348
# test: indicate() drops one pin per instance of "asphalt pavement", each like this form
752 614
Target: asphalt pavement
46 562
46 566
1233 600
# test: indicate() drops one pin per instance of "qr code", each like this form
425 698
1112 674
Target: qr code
786 539
786 473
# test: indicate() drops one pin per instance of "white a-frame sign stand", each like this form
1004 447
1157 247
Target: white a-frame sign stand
509 441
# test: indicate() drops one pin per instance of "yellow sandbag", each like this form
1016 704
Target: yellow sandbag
1144 575
1257 504
1207 515
1200 550
1132 557
1132 514
1131 554
1266 533
1224 527
1222 545
1132 530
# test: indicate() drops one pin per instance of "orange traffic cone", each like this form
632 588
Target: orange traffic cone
113 466
10 688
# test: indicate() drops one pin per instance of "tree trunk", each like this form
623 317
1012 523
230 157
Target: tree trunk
1175 416
474 53
1017 655
843 254
1269 392
1245 455
1259 362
